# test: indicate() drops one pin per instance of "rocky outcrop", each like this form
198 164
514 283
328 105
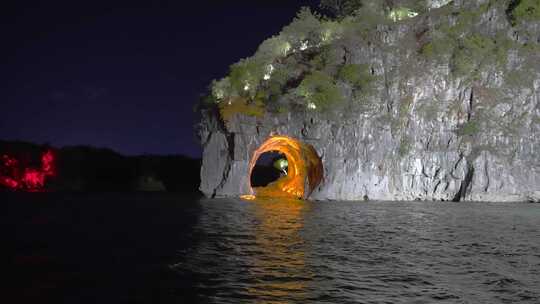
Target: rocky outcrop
423 132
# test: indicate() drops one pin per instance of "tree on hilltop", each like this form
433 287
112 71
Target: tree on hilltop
341 8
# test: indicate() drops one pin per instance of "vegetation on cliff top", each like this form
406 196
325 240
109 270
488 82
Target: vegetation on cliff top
307 63
298 63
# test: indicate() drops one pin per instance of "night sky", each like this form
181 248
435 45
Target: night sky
122 75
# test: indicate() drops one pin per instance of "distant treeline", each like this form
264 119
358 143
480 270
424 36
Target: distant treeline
84 168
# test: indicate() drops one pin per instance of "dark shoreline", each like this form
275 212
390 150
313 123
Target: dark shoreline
90 169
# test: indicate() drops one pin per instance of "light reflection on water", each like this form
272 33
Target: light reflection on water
278 251
279 269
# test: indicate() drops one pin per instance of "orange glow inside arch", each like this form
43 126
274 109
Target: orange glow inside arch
305 169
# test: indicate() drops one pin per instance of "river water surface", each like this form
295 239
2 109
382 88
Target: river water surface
162 248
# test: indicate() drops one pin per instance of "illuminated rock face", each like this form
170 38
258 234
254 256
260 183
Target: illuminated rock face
429 126
305 169
363 157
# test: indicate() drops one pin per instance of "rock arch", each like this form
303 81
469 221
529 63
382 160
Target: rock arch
304 173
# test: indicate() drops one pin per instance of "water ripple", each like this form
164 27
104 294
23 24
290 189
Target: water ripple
377 252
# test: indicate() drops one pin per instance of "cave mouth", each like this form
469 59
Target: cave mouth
304 170
265 170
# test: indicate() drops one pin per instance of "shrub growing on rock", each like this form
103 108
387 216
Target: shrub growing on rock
524 10
303 31
319 90
469 128
246 75
240 105
357 75
341 8
473 52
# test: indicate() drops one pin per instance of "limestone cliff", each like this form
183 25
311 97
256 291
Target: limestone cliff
443 104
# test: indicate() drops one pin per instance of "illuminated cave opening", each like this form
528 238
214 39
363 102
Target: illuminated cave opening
266 169
304 168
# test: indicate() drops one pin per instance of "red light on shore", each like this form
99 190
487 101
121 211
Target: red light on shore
47 163
31 179
9 182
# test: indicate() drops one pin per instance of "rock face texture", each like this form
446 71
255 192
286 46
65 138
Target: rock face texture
423 130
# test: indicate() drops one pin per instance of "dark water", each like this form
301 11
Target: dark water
164 248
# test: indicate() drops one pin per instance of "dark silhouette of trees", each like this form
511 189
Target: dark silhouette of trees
83 168
341 8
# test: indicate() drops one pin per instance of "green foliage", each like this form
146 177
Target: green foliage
479 44
469 128
246 75
437 48
428 50
350 73
330 30
341 8
401 13
465 21
303 53
273 48
240 105
319 61
503 45
473 51
357 75
306 26
310 29
329 56
447 37
220 89
370 14
319 89
463 63
524 10
270 90
529 49
251 77
355 17
521 78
